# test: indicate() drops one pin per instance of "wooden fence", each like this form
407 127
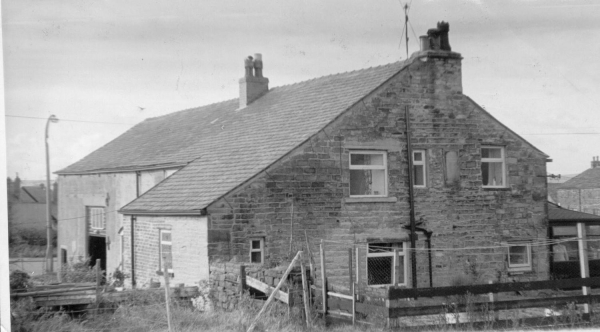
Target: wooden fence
401 303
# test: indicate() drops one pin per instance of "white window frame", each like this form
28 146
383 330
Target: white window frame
502 159
402 254
97 219
371 167
520 267
161 242
422 162
261 250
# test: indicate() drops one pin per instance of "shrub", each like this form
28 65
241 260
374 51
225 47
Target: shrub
79 272
19 281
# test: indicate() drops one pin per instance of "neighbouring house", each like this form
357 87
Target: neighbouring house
28 209
582 192
573 235
342 158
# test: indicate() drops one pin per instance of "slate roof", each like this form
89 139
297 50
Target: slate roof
587 180
224 146
33 194
557 213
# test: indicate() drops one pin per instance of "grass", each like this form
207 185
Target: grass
145 311
27 250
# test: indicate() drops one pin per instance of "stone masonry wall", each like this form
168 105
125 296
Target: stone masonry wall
225 280
583 200
304 197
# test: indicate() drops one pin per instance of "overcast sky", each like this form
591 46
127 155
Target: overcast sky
102 66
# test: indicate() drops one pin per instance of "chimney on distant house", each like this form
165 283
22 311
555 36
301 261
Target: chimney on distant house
595 162
253 85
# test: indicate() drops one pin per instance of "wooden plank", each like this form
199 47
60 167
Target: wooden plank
305 296
362 308
343 296
272 296
502 305
261 286
65 302
395 293
53 291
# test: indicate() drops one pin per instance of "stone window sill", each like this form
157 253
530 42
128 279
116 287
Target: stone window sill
496 189
370 200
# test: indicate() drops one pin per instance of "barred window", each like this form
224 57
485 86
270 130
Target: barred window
381 263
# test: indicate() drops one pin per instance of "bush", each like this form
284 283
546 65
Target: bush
79 272
19 281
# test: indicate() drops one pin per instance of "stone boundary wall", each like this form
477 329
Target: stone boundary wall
225 279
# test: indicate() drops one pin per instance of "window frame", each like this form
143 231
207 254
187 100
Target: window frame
383 167
402 254
160 250
520 267
502 159
261 250
423 163
90 220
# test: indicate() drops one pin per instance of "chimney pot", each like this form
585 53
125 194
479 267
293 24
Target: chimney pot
258 65
424 40
253 85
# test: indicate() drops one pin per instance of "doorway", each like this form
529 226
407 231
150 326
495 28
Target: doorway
97 250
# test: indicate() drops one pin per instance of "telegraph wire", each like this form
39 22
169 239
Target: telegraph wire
68 120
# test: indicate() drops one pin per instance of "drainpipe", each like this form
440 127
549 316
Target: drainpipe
133 219
411 198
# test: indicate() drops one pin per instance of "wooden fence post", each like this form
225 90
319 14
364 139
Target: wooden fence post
306 299
492 297
275 291
350 274
357 276
323 282
98 281
242 284
167 295
353 290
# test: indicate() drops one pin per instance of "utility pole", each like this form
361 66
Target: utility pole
406 26
49 254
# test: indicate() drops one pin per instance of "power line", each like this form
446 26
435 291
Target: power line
562 134
68 120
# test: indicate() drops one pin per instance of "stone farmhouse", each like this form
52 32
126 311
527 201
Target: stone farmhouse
385 158
582 192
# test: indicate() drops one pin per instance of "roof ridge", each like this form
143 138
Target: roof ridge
337 74
197 108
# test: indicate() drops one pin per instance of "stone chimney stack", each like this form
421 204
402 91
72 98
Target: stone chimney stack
253 85
595 162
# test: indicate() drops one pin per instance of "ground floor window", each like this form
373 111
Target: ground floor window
519 257
257 251
381 263
165 256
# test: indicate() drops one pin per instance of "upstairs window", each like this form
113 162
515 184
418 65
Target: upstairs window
96 218
419 168
519 257
368 173
257 251
493 167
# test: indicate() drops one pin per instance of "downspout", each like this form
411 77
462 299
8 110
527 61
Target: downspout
411 198
133 219
138 182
